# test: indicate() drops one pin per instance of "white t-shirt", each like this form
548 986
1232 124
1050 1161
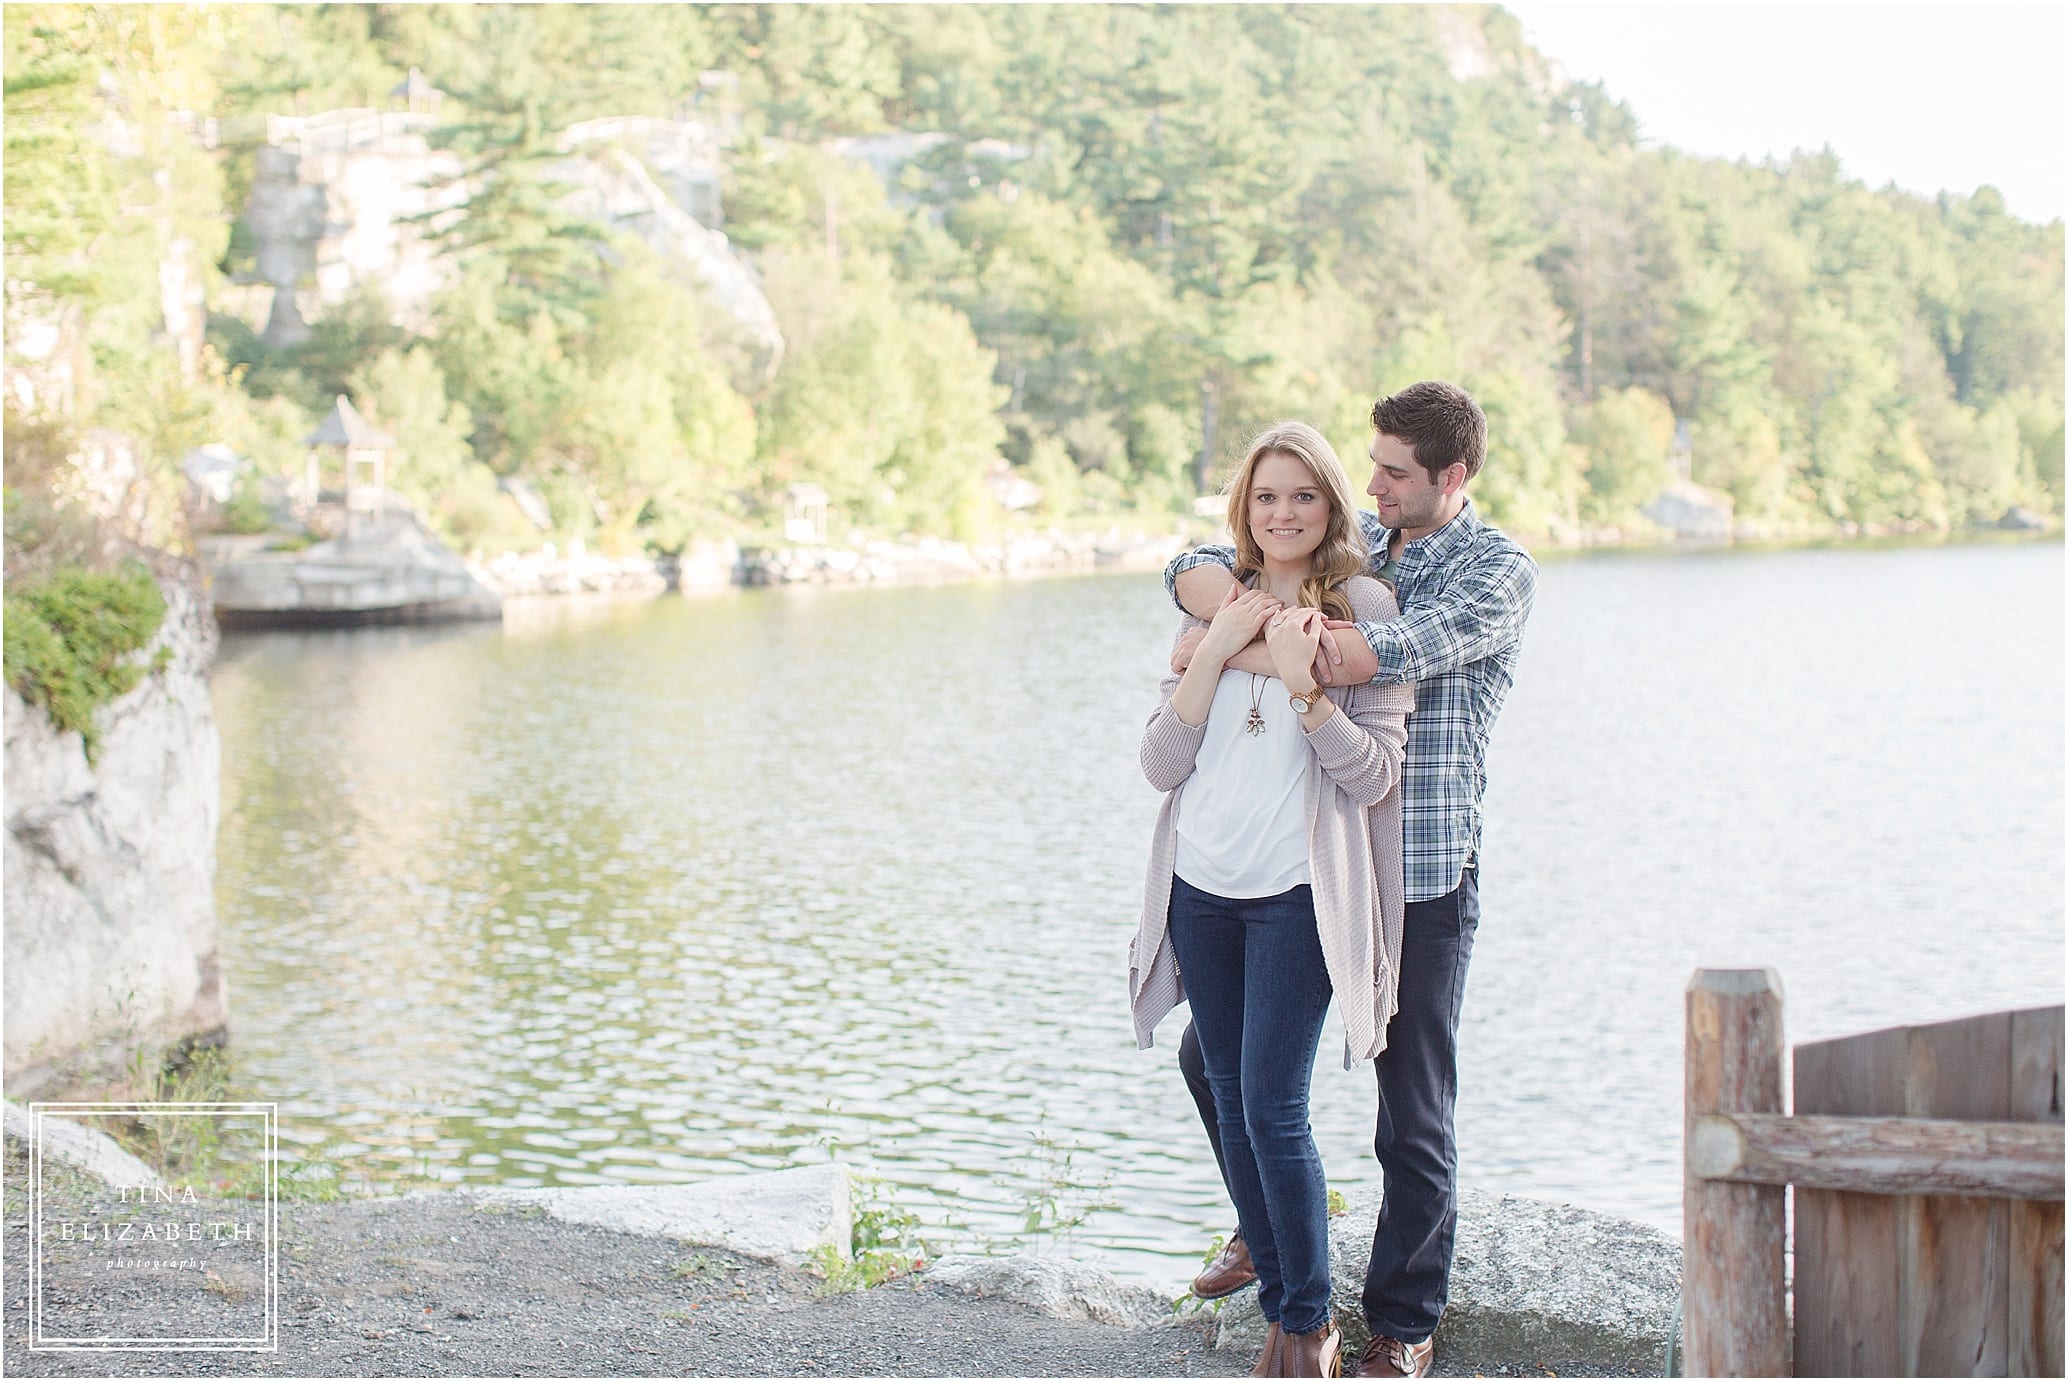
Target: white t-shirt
1242 814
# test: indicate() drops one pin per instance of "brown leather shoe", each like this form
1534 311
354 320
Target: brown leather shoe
1228 1272
1319 1353
1267 1365
1393 1359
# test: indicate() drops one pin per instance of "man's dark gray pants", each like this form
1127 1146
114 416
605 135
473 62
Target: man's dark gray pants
1408 1279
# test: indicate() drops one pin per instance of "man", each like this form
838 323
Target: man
1465 592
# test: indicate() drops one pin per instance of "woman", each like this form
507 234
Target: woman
1275 879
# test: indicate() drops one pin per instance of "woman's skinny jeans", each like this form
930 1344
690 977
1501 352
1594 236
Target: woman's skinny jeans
1254 976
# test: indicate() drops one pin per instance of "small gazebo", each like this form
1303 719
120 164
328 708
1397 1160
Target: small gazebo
362 443
417 94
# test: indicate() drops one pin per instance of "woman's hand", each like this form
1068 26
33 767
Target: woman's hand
1235 623
1293 637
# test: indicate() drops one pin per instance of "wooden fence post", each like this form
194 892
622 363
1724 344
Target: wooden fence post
1734 1239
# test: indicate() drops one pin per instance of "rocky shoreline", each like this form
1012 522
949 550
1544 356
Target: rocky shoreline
398 572
727 1277
725 564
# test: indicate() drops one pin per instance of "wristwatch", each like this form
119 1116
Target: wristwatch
1303 703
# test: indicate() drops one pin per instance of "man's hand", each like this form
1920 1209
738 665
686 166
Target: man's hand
1353 662
1187 648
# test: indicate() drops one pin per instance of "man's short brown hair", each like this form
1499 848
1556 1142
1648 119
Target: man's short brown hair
1440 421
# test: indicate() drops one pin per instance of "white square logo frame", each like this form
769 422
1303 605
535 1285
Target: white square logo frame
41 1339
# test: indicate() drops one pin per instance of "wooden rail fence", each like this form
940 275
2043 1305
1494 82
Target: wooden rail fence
1927 1168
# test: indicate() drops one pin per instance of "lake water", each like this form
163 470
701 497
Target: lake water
659 891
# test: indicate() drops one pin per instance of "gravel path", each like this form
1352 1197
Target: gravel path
434 1285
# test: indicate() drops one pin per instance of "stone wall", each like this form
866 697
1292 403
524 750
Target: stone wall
110 932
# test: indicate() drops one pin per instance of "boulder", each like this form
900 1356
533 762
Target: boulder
2018 518
1691 511
388 569
779 1215
1054 1285
82 1148
1530 1279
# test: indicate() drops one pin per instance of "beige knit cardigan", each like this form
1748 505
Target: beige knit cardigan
1353 847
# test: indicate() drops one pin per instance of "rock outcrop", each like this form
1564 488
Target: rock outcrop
1057 1286
1688 510
387 569
1530 1279
110 932
341 201
333 205
608 184
778 1215
65 1141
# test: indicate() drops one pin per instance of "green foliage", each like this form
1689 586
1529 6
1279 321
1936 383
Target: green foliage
221 1158
1060 1202
433 466
246 513
1628 438
885 1243
885 401
70 640
1126 238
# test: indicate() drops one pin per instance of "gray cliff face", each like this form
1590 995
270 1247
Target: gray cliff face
336 202
110 936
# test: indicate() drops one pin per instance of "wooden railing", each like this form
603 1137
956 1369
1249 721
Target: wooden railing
1927 1166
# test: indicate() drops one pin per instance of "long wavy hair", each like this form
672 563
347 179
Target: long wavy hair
1342 552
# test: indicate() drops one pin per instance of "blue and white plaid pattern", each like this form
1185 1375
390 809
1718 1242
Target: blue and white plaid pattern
1465 592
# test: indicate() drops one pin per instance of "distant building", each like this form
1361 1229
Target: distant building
1681 459
213 469
804 514
418 95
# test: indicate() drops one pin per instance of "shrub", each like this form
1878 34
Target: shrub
70 639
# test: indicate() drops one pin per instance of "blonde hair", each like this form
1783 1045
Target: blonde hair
1342 551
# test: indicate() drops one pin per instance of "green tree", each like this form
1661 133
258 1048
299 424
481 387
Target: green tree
1627 435
886 402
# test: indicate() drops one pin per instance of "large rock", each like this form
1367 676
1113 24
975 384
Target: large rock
1054 1285
64 1140
612 187
387 569
1531 1279
2018 518
110 936
781 1215
341 202
1689 510
335 203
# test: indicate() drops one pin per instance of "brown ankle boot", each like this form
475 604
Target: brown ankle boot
1319 1353
1267 1365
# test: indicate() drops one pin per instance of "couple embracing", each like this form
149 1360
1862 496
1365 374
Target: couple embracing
1321 743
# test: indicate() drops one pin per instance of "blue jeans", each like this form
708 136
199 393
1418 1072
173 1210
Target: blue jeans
1408 1280
1258 990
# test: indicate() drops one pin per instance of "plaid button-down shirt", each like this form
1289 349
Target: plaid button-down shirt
1465 594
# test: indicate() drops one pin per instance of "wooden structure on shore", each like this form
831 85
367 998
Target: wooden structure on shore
1927 1166
363 444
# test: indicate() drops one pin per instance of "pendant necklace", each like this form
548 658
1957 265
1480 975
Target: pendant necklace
1254 725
